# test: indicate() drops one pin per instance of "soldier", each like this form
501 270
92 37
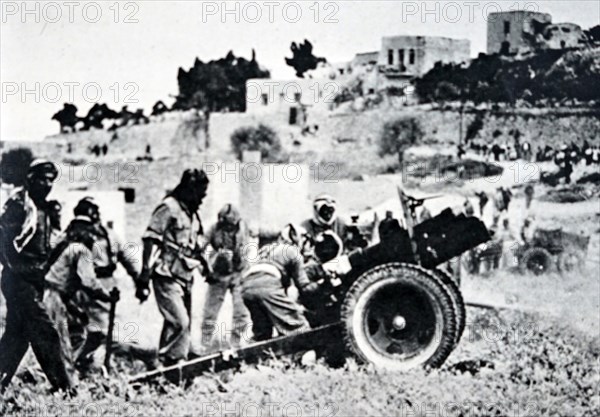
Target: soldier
108 251
71 270
173 247
325 218
265 284
228 239
24 249
483 200
529 191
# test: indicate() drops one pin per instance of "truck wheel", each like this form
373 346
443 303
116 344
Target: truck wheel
399 316
536 260
457 301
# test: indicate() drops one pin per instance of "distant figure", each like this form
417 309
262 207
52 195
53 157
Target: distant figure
468 207
460 152
526 151
496 151
564 162
502 199
483 200
528 195
104 149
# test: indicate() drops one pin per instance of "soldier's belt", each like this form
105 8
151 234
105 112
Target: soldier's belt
181 250
261 269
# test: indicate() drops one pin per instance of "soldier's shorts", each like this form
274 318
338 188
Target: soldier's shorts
270 306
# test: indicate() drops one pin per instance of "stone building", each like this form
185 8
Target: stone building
518 32
403 58
290 99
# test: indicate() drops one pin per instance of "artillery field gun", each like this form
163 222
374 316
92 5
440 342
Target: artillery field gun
389 304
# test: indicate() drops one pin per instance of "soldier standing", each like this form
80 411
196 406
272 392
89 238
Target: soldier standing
173 247
265 284
228 238
108 251
25 229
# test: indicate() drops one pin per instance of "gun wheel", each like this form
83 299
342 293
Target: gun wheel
457 301
400 316
537 261
570 260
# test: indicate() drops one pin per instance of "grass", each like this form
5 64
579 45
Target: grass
539 369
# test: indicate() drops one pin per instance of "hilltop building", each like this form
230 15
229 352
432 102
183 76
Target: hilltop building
289 98
403 58
396 64
518 32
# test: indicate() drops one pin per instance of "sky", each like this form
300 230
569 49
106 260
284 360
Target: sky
128 53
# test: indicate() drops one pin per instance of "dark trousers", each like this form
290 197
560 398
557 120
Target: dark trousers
28 323
174 300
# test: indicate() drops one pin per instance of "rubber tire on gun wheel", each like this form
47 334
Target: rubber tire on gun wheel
415 315
536 260
457 299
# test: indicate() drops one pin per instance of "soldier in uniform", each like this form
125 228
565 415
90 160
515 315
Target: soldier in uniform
265 284
325 218
71 270
24 249
173 246
108 251
228 239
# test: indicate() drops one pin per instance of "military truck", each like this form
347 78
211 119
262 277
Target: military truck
389 304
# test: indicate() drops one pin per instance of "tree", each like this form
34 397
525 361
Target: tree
67 118
14 166
261 138
217 85
302 59
400 134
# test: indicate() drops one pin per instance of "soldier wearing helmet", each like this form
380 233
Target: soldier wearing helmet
25 231
265 284
228 239
325 218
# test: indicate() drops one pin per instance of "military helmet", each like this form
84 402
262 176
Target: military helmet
88 207
229 214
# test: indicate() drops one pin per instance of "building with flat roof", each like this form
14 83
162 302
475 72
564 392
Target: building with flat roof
518 32
401 59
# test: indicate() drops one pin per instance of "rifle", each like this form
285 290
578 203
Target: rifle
114 298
